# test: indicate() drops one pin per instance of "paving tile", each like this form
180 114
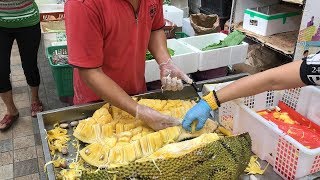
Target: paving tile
6 172
24 111
26 167
23 142
35 125
5 145
18 78
21 83
25 154
15 60
43 175
6 158
6 134
39 151
37 139
29 177
17 71
23 127
47 79
21 97
23 104
19 90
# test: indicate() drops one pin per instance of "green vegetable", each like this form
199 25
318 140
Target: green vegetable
150 57
233 39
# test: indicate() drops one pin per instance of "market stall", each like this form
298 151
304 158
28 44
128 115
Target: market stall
99 141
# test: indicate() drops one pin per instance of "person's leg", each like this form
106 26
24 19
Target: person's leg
6 43
28 40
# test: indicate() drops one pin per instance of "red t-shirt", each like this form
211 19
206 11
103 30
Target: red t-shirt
110 35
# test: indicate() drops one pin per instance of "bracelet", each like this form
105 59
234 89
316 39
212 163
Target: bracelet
216 98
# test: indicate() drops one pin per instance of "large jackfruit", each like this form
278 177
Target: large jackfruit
133 139
225 158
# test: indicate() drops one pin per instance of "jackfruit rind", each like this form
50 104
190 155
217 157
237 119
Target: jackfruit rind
225 158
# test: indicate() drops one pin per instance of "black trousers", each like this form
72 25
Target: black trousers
28 40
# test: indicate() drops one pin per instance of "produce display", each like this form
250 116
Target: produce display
150 57
53 26
294 124
233 39
59 59
128 148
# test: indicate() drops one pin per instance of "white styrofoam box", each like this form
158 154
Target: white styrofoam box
187 28
173 14
179 3
184 57
289 158
48 8
50 38
216 58
185 12
266 25
61 43
214 87
40 2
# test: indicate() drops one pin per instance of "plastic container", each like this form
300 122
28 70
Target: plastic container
187 28
51 39
289 158
52 16
62 74
220 7
216 58
170 29
173 14
181 35
184 57
272 19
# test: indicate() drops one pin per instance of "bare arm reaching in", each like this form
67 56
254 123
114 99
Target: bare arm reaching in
291 75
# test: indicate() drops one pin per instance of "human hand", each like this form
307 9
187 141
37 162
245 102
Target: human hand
155 119
199 112
172 77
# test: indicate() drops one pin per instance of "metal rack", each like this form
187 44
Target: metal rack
283 43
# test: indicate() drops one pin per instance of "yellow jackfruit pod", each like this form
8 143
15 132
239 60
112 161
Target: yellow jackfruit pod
136 137
95 154
119 128
136 130
106 131
87 133
100 112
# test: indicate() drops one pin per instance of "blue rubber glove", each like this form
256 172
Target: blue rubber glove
200 112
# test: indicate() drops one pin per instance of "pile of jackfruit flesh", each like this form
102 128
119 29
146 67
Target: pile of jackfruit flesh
205 157
115 138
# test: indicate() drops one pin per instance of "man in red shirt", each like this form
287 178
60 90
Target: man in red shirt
107 42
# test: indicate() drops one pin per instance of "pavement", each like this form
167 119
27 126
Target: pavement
21 155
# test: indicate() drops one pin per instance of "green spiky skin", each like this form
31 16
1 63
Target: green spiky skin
226 158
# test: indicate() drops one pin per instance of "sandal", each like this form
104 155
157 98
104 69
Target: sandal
7 121
36 107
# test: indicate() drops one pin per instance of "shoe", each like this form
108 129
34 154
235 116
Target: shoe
7 121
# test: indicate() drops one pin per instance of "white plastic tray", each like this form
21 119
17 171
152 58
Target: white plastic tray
216 58
185 58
